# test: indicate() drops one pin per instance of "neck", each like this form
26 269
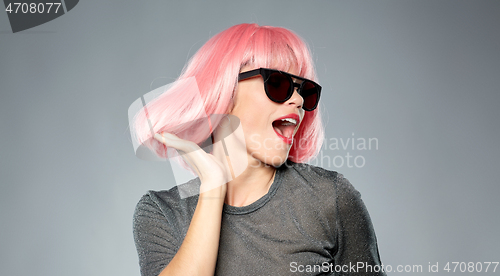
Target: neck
252 180
251 185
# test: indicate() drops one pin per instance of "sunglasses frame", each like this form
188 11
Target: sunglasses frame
266 72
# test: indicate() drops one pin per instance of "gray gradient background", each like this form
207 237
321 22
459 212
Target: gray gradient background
420 76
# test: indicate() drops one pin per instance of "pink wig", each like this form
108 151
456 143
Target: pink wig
216 67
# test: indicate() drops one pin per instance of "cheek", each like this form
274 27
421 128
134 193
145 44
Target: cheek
255 110
254 118
254 133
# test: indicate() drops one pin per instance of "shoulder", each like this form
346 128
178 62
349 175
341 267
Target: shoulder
333 187
160 223
167 204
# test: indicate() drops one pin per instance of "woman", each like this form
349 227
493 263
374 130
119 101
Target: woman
276 216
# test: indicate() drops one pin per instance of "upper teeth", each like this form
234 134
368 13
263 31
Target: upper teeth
290 120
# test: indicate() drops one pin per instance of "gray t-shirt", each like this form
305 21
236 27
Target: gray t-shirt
311 222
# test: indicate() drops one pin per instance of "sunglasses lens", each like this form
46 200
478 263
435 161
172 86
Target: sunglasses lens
310 95
278 86
279 89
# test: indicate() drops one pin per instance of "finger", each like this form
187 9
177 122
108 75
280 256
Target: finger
177 143
191 152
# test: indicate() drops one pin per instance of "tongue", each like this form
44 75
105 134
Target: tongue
284 130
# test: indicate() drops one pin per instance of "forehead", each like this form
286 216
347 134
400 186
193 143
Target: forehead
276 55
291 70
289 67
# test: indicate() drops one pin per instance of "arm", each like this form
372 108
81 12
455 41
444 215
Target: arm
198 252
159 246
355 235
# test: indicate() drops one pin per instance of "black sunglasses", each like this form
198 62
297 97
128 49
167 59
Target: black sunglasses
279 86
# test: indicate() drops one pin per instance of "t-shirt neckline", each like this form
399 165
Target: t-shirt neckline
233 210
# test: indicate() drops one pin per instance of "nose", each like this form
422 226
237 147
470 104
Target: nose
296 99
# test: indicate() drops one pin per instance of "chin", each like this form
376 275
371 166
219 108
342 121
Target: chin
272 158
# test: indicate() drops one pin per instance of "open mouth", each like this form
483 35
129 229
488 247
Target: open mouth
285 127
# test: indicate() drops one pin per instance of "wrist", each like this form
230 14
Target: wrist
212 193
